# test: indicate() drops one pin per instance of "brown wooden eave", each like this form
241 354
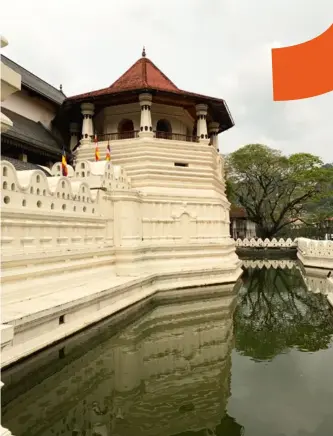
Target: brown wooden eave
218 109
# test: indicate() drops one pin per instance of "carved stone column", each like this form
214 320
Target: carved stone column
74 130
213 129
146 127
202 123
87 110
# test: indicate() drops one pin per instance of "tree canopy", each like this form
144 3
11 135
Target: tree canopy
277 190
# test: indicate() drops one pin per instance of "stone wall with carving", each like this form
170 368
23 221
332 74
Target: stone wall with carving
96 211
41 213
187 221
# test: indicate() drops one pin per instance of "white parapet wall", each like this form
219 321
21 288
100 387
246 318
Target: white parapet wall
77 249
316 254
266 243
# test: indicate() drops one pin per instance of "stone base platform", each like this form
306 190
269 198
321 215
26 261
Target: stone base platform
43 311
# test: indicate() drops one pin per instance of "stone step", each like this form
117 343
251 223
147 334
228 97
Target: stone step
71 305
28 269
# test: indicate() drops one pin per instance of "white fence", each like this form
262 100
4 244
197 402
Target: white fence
313 248
266 243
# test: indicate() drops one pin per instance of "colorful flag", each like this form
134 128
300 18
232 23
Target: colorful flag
64 164
108 152
96 149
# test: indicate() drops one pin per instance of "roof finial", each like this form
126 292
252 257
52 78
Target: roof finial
144 52
61 87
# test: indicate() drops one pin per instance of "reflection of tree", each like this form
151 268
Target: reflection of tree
276 312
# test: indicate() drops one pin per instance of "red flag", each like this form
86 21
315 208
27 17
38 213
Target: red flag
64 164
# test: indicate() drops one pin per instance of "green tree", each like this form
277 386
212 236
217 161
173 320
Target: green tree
275 189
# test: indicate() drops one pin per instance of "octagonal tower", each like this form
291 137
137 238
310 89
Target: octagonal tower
166 139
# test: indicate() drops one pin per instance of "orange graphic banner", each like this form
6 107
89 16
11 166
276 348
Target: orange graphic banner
303 70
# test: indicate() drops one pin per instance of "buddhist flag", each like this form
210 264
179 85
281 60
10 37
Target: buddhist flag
96 149
64 164
108 153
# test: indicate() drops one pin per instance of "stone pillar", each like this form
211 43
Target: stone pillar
213 129
202 123
87 110
74 130
146 126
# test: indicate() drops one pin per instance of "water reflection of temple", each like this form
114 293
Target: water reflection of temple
168 373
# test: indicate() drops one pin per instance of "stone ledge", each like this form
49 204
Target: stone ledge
7 334
84 307
316 261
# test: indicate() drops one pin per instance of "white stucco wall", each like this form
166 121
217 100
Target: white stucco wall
107 121
30 107
138 219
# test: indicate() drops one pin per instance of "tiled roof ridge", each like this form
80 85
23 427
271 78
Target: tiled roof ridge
124 74
32 74
144 71
144 61
161 72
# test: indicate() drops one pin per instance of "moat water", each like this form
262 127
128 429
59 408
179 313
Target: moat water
254 359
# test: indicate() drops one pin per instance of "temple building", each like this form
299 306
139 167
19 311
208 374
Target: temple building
34 137
143 102
240 226
153 218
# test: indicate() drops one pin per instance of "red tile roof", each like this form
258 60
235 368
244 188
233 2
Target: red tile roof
237 212
143 74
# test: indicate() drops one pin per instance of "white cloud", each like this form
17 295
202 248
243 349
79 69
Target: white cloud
220 47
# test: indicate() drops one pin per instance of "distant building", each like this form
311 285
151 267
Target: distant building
35 135
240 226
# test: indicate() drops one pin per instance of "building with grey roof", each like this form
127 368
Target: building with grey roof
36 135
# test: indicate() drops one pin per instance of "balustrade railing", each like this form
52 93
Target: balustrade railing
118 136
266 243
135 134
175 136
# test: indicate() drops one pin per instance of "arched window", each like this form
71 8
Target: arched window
163 129
126 129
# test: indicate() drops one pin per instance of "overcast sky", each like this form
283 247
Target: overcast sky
215 47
